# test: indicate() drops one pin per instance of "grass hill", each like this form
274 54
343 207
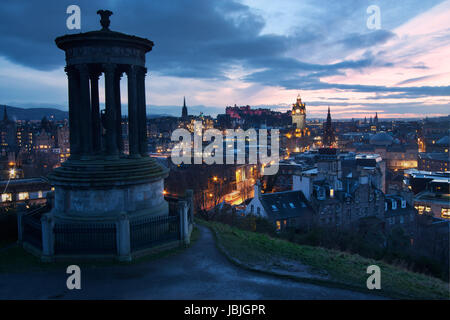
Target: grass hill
260 252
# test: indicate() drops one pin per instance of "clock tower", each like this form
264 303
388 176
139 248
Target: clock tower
298 114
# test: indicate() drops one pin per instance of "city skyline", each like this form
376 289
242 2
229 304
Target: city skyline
254 52
235 187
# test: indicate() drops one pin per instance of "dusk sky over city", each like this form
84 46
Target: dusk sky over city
256 52
225 158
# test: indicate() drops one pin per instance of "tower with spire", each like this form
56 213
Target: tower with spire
184 112
5 115
328 132
8 134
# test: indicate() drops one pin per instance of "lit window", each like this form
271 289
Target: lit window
278 225
331 193
6 197
39 194
445 213
23 196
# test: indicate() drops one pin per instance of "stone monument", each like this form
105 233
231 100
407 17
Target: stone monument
99 185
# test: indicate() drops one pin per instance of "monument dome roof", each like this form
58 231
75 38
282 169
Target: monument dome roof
103 36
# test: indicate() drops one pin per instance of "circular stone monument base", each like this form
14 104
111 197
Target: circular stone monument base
92 189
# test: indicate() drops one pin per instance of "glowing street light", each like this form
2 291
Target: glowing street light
12 173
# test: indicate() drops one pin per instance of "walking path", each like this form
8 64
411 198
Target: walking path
199 272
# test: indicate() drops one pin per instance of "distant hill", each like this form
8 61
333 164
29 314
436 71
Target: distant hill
15 113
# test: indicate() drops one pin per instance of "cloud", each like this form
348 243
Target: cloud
238 51
358 40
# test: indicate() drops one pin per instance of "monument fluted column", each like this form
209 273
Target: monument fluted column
117 78
142 111
85 112
111 117
96 121
74 110
133 116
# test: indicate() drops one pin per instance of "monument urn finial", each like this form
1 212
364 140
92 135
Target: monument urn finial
104 20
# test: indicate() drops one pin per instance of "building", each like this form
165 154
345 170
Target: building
288 209
63 145
433 161
399 213
27 191
434 135
8 133
342 188
431 192
328 138
396 155
299 114
297 138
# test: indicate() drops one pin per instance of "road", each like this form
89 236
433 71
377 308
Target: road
199 272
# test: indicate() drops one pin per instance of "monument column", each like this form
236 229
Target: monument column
74 110
96 122
133 116
143 148
85 112
111 117
117 78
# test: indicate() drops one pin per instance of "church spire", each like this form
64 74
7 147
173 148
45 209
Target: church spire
184 113
328 133
5 114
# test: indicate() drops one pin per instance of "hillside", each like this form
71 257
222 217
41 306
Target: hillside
260 252
16 113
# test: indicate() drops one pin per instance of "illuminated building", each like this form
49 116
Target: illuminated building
8 143
299 114
297 139
432 192
26 191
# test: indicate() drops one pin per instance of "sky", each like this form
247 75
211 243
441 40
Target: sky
256 52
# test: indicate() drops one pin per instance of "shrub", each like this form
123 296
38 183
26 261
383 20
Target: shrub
8 224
